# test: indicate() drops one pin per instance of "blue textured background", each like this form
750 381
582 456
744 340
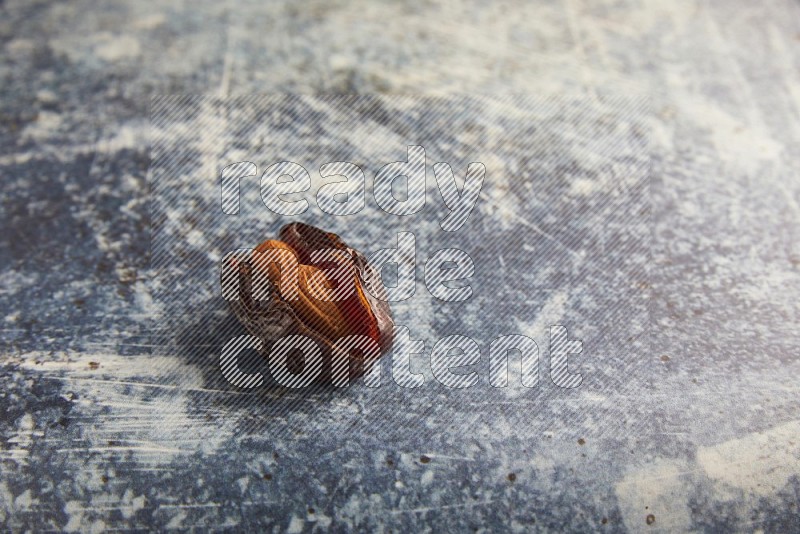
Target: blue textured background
95 432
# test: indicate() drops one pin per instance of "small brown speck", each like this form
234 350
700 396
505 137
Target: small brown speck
390 462
310 510
512 477
424 459
604 520
104 478
650 519
93 365
664 358
581 441
275 456
267 476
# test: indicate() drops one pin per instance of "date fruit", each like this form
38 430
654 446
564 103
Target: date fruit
327 292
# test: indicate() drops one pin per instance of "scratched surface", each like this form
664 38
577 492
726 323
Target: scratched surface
98 432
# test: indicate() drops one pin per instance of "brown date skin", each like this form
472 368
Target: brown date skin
361 313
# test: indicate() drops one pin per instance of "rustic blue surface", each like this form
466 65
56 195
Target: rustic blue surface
702 433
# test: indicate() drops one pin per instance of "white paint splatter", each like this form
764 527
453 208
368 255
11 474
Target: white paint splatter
759 464
118 47
295 525
660 489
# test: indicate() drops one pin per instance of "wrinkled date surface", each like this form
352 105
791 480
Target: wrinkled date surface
310 283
